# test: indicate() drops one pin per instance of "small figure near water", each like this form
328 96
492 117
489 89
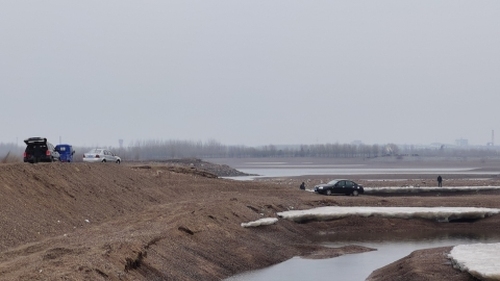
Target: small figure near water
440 181
303 186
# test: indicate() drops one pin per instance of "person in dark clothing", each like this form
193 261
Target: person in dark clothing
303 186
440 181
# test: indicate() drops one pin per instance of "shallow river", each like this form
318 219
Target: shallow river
292 172
354 267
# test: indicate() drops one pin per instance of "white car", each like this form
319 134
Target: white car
101 155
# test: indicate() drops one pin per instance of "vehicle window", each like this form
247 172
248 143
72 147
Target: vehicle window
341 184
349 184
38 147
61 148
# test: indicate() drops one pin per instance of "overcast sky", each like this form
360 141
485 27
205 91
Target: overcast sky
250 72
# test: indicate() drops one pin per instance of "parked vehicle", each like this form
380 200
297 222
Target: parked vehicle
39 150
101 155
66 152
346 187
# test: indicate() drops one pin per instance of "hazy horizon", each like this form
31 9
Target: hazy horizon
250 72
149 142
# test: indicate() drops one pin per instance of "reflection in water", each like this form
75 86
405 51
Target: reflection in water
358 267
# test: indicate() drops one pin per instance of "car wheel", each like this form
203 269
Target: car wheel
117 161
355 193
103 160
328 192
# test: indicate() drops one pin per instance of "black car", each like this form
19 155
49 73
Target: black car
39 150
346 187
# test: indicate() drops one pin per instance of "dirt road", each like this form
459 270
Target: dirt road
123 222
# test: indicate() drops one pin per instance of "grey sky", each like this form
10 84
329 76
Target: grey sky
250 72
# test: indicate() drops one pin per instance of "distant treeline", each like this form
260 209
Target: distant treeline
174 149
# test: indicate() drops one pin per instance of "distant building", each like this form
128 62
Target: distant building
462 142
492 143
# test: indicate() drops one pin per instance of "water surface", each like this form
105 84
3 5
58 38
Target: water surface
354 267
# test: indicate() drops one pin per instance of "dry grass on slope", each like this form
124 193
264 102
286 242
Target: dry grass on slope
10 158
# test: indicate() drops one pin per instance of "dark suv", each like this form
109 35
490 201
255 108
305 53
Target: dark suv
39 150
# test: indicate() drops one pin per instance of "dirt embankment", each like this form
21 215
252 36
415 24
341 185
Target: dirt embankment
82 221
194 165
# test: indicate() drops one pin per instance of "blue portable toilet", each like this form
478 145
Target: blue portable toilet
66 152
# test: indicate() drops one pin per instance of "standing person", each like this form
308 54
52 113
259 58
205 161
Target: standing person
303 186
440 181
